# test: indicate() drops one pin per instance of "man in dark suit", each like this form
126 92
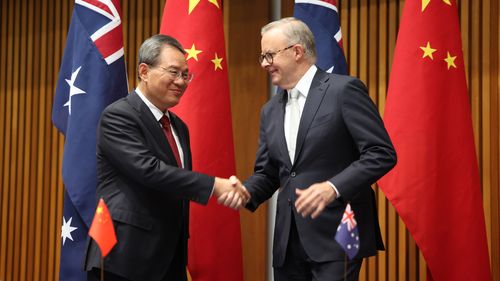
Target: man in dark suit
322 144
144 164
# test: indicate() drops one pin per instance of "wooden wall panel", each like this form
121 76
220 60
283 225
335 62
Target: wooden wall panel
33 35
249 91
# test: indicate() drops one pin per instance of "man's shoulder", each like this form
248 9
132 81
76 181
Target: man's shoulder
123 103
338 79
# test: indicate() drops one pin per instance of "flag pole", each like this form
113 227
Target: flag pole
345 266
102 268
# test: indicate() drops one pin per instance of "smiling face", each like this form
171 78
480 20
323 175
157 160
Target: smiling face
287 64
159 84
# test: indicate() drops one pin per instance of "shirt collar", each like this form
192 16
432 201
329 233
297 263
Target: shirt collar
156 112
305 82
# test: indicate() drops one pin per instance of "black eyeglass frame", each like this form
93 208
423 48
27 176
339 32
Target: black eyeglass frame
269 56
176 74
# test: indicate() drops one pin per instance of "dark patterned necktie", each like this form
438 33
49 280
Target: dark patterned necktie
165 123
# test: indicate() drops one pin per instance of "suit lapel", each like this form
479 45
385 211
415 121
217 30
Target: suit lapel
313 101
183 139
283 97
151 124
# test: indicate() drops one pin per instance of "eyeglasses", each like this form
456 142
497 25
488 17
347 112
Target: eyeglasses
176 74
269 56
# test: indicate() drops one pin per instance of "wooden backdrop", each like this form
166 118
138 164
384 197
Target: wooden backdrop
33 36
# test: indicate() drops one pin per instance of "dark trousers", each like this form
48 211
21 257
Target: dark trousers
299 267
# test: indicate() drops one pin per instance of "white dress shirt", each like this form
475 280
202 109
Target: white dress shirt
158 114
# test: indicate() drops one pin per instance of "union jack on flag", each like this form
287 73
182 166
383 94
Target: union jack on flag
347 233
92 75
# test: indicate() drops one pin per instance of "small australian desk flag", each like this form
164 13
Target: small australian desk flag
347 233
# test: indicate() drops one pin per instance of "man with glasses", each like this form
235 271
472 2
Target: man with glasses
322 144
144 164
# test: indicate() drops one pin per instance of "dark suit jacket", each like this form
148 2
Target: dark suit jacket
342 139
147 195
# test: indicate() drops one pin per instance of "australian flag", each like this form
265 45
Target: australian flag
92 75
347 233
321 16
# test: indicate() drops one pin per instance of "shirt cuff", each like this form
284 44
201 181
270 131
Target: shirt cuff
337 194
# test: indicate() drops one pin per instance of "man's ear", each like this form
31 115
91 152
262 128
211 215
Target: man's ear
143 71
298 51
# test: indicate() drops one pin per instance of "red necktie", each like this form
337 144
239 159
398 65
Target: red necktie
165 123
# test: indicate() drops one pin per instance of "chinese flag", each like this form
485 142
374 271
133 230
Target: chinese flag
435 186
215 241
102 229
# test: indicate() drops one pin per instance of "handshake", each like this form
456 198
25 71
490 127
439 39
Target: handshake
231 192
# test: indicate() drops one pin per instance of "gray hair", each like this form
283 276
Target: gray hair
297 32
151 49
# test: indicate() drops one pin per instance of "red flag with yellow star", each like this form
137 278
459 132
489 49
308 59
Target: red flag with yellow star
102 229
435 186
215 241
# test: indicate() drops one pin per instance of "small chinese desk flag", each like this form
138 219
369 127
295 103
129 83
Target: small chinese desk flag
102 229
347 233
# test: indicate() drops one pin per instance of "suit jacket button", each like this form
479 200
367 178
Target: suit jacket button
293 174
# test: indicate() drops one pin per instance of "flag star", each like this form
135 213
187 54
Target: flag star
194 3
66 230
215 3
349 246
450 60
428 51
426 2
73 90
217 62
192 53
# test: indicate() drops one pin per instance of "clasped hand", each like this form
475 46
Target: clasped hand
231 192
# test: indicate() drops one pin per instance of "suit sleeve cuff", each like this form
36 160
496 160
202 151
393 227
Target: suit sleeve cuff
337 194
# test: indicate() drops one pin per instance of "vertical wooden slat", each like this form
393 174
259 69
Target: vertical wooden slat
422 267
28 239
494 70
23 173
363 44
39 77
4 144
14 204
54 223
486 115
353 37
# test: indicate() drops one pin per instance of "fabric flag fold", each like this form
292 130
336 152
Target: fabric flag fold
435 187
206 108
322 17
92 75
102 229
347 233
